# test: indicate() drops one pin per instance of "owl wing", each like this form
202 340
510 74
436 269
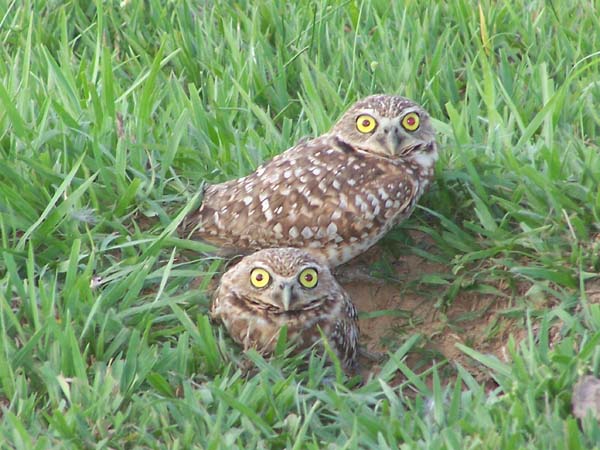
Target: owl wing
345 333
319 191
215 311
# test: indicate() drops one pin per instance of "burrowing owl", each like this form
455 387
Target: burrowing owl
335 195
286 286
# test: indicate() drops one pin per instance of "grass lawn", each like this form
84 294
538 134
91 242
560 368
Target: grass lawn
113 114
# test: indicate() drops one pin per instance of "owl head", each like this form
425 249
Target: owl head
389 126
280 280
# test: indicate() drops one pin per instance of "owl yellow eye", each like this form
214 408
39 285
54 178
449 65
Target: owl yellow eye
260 278
411 121
365 123
309 278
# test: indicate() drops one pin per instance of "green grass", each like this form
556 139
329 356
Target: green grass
112 115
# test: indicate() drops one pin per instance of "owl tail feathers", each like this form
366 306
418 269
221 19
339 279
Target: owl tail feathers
189 224
188 219
185 224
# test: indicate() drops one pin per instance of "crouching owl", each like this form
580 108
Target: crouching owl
280 287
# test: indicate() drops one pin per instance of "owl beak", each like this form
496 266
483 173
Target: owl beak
395 139
392 141
286 296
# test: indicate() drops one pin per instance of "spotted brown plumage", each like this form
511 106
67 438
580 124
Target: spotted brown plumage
279 287
335 195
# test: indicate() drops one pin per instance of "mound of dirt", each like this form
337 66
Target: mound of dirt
390 313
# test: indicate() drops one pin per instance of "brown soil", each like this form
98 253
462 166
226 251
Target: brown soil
391 313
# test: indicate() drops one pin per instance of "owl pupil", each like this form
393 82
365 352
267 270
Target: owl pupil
411 121
366 123
259 277
308 277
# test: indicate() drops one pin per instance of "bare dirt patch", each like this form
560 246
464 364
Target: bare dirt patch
390 313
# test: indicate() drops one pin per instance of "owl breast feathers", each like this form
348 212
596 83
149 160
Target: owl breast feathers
335 195
280 287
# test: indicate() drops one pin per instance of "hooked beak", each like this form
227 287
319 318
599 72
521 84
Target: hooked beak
392 141
286 296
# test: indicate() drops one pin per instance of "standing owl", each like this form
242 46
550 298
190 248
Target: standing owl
280 287
335 195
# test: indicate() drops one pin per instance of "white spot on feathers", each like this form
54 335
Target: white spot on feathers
343 201
265 204
307 233
374 200
332 230
268 213
360 203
